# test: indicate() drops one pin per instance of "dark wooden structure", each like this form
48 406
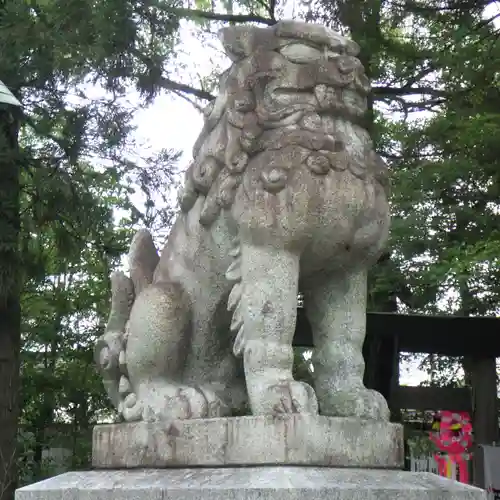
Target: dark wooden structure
477 339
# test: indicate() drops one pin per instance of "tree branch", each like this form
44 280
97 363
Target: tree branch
400 91
426 105
421 74
402 103
183 95
168 84
414 6
214 16
272 9
60 142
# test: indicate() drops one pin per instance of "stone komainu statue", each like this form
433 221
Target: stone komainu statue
285 191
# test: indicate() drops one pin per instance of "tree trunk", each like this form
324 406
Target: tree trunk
10 316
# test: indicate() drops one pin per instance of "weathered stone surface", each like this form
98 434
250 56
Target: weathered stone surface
284 188
250 483
293 440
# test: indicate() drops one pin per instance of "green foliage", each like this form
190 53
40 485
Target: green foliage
70 241
72 65
68 256
419 445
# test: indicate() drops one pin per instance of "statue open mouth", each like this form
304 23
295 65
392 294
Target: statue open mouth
285 106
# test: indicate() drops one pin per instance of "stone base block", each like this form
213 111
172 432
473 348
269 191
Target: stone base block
249 483
291 440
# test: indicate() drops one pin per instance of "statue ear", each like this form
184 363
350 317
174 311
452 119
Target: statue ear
233 41
243 40
122 298
143 259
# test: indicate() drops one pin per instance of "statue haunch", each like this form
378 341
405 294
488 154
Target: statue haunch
285 191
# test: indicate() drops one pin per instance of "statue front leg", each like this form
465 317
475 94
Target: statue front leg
265 301
336 309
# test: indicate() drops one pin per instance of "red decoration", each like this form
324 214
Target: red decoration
452 434
455 432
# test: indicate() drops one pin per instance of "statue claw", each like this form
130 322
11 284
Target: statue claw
290 397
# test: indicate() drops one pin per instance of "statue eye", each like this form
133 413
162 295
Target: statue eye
301 53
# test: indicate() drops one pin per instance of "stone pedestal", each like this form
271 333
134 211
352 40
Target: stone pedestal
249 483
249 458
298 439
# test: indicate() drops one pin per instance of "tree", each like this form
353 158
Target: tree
10 162
51 52
65 303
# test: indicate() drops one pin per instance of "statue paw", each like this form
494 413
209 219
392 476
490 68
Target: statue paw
287 397
216 407
166 402
171 402
357 402
130 408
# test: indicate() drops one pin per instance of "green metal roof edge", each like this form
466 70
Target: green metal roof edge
6 96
